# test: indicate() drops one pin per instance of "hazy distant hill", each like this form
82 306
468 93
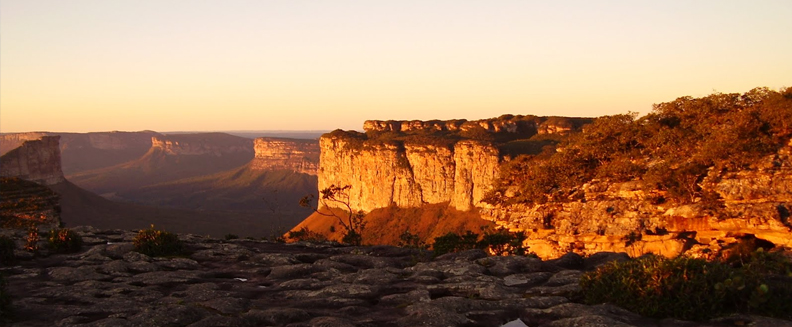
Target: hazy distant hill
275 193
170 158
86 151
80 207
307 135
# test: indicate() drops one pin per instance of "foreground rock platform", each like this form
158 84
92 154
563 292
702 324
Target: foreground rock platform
247 283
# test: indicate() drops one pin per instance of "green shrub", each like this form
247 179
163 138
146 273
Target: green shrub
453 242
691 289
413 241
64 241
499 242
5 301
504 242
306 235
157 243
231 236
7 246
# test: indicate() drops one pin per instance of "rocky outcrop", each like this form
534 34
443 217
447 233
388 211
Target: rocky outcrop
505 124
408 175
301 156
215 144
624 217
256 283
35 160
24 203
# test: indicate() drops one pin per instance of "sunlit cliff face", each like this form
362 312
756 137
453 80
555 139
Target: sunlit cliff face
301 156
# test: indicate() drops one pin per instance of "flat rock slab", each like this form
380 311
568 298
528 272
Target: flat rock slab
245 283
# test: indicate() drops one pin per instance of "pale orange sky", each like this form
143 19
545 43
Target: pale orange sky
77 66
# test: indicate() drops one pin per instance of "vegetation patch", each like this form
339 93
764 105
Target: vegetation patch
695 289
498 242
671 149
64 241
157 243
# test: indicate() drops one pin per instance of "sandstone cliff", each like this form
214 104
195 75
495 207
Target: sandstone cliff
35 160
417 163
408 175
300 156
695 176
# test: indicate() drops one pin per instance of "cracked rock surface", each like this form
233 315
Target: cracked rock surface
247 283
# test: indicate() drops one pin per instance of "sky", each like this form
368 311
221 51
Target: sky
196 65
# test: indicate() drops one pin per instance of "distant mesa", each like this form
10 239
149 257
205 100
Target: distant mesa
301 156
216 144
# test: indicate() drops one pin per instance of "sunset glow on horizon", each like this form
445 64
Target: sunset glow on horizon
178 65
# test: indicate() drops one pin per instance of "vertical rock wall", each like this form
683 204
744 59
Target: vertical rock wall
37 160
380 175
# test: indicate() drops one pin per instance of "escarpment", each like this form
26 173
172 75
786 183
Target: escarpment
412 163
215 144
300 156
694 176
35 160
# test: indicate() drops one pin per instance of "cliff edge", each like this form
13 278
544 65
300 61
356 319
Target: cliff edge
35 160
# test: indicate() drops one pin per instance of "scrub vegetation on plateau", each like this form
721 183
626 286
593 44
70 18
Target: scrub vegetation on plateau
671 149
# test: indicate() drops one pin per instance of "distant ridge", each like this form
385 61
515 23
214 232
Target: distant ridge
252 134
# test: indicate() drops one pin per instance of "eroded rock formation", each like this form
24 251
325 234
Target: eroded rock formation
504 124
301 156
623 217
35 160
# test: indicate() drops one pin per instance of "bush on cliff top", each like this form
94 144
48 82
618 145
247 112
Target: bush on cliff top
499 242
671 149
693 289
157 243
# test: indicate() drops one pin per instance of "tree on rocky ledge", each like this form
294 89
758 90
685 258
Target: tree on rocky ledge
338 197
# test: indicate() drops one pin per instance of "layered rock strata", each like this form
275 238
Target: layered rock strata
301 156
504 124
380 175
35 160
459 170
216 144
255 283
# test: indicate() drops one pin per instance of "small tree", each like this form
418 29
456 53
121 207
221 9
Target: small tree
351 221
